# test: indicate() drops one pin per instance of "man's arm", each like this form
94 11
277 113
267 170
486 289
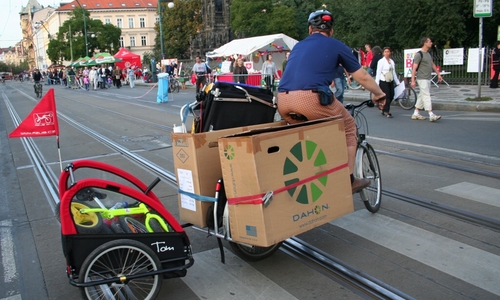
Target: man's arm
413 74
440 78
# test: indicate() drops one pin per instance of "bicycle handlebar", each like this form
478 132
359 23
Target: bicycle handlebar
351 107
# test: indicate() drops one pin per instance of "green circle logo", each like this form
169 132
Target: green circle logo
229 152
305 153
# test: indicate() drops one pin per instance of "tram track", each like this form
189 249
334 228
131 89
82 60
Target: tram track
319 261
339 271
315 258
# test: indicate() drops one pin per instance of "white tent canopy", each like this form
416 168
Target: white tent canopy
274 42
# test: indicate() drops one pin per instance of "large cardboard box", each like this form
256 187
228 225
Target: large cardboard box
197 167
305 166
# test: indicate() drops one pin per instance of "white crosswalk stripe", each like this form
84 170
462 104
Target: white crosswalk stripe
207 274
439 252
474 192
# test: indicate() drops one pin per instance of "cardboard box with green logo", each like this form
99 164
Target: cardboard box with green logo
197 167
304 166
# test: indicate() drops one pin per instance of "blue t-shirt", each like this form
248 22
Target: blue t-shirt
313 62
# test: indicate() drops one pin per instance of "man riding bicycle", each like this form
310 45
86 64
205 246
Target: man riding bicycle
37 77
300 88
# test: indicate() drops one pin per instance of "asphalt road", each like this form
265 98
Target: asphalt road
424 253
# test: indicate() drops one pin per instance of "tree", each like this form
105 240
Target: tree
102 37
179 25
395 23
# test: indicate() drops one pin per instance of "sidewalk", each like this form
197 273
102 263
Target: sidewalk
448 98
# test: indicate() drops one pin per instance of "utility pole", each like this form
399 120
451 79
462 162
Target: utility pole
71 43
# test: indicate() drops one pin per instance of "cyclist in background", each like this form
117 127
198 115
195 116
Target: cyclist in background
300 88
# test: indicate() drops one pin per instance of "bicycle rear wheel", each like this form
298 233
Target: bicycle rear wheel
354 84
408 99
367 167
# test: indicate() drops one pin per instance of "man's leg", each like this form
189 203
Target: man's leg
339 93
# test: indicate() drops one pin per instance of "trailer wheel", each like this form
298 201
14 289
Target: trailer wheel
120 259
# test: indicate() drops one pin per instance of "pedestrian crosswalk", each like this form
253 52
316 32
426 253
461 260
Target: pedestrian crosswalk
474 192
459 260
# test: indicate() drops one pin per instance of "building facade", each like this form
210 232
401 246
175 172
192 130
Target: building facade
136 18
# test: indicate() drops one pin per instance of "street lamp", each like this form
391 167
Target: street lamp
170 5
84 29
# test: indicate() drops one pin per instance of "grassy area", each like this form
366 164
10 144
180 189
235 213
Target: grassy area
479 99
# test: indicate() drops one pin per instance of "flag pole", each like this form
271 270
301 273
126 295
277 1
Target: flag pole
59 152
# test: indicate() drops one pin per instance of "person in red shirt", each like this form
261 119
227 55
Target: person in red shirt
369 55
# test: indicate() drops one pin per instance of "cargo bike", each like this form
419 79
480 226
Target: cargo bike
222 106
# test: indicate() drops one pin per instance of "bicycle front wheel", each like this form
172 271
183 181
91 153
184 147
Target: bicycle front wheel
408 99
368 167
176 87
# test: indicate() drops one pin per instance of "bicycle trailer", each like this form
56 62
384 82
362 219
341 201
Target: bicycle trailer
117 237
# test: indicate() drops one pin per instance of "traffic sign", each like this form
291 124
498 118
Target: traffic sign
483 8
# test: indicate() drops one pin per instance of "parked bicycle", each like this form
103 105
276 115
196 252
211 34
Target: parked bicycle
408 97
366 165
173 84
353 85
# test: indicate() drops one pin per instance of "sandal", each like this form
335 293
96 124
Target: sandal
388 115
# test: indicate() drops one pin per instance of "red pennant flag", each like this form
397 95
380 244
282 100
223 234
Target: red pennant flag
41 121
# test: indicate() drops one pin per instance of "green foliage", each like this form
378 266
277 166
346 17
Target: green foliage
180 24
15 69
395 23
102 37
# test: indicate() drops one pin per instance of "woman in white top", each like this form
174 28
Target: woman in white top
387 79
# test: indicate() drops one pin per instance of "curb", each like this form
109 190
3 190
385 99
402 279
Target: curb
443 105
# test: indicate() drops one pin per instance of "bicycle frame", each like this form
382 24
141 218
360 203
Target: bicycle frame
140 210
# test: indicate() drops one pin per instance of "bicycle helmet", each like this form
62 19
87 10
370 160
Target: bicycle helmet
321 19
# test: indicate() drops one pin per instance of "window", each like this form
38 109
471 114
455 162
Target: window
157 19
119 22
132 41
122 44
107 21
130 22
142 22
143 40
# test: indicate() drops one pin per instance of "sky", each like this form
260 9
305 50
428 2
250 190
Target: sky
10 29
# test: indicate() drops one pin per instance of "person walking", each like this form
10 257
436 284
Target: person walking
116 74
339 82
423 67
269 70
368 58
93 77
131 77
200 71
387 79
300 87
377 55
495 61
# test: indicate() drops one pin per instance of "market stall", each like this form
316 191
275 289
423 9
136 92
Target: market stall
253 51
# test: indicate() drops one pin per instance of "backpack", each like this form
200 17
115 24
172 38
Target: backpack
421 57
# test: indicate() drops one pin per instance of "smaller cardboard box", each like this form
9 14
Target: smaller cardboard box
304 165
197 167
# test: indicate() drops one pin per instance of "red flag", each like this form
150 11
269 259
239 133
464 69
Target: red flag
41 121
